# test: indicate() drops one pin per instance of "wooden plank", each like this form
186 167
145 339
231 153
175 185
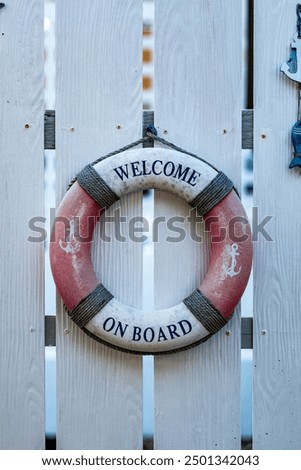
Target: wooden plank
277 295
99 103
148 118
198 107
21 261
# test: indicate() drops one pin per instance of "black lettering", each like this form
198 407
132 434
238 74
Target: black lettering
161 335
136 333
149 338
135 169
121 330
181 175
194 175
185 326
109 326
144 172
166 167
154 165
172 331
122 171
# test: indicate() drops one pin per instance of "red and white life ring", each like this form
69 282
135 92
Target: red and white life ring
198 316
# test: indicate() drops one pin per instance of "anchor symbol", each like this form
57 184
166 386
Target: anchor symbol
70 245
233 253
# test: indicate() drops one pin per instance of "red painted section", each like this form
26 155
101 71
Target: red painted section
72 271
229 232
231 250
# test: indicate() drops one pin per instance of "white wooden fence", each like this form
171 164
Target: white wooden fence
198 106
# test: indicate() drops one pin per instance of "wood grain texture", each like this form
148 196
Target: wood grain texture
99 109
21 190
277 322
198 107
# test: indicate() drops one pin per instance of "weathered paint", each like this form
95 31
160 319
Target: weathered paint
74 274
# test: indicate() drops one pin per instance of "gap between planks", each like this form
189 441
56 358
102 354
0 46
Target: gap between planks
148 119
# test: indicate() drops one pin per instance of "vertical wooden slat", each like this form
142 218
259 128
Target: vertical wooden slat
21 261
198 107
277 321
99 109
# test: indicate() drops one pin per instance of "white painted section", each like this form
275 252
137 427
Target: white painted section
277 190
98 110
21 195
149 332
164 169
198 107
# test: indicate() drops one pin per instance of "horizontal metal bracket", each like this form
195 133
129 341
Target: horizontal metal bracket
148 118
246 331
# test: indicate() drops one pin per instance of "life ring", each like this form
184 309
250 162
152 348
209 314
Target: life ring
203 312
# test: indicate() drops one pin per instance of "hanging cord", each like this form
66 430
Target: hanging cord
151 133
299 103
179 149
111 154
298 13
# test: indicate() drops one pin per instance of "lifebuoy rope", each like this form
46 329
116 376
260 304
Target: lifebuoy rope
96 187
90 306
100 296
199 306
216 190
150 134
205 312
104 196
196 302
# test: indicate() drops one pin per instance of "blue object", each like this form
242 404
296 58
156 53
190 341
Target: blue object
151 128
296 141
